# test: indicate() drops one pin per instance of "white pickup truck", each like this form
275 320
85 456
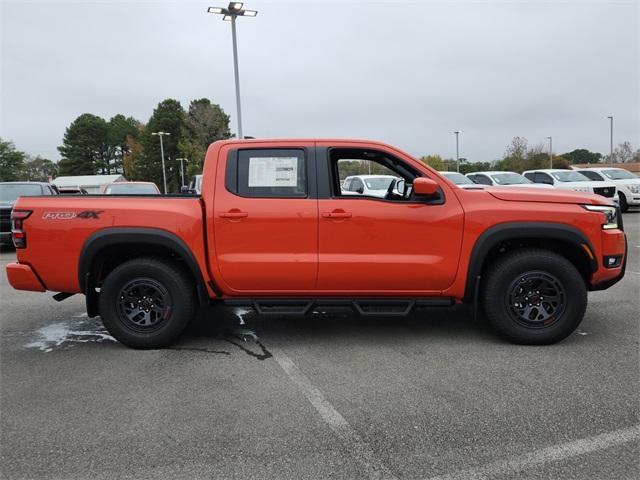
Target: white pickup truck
627 183
572 180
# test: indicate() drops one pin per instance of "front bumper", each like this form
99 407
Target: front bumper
614 242
22 277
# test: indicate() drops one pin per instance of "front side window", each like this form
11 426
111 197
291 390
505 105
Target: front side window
265 173
374 174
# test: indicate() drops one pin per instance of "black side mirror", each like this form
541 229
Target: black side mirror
360 190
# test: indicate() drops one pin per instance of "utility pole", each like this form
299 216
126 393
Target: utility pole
230 13
610 117
181 160
550 152
457 132
164 173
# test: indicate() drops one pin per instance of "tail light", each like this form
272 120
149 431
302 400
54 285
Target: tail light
17 222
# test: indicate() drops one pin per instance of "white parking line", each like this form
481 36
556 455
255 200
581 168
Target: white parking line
635 273
514 465
354 444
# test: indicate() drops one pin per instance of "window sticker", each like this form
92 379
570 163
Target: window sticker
273 171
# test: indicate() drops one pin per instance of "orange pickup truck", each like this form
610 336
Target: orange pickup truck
273 229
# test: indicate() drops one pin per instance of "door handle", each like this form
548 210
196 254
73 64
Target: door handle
336 214
235 213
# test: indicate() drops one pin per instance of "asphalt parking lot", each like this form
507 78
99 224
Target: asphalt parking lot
436 395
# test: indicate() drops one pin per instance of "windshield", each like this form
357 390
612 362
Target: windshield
619 174
132 189
380 183
509 179
10 192
569 176
458 178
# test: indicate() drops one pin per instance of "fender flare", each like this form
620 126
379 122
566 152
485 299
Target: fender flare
497 234
111 236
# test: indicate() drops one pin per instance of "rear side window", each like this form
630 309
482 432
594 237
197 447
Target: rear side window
278 173
482 179
542 177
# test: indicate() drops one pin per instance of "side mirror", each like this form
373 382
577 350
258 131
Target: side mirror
360 190
424 187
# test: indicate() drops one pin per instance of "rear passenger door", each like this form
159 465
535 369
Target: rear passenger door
266 219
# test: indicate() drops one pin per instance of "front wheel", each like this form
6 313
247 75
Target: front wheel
147 302
534 296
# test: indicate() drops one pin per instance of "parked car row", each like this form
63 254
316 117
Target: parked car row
622 186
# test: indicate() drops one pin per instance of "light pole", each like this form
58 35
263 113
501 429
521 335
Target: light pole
230 13
457 132
181 160
610 117
164 174
550 152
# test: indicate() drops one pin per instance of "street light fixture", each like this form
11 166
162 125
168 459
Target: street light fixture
457 132
182 160
164 174
550 152
229 14
610 117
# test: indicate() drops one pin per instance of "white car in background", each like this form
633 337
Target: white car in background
368 185
504 179
572 180
459 179
627 183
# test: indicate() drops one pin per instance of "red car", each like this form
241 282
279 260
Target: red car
272 230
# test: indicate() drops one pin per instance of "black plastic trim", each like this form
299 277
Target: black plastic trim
269 306
109 237
503 232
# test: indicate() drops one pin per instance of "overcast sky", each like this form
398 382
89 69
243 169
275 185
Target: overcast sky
405 73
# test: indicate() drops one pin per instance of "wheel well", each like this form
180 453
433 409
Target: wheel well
572 252
105 260
108 258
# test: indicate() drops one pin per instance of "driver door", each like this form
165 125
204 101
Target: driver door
370 245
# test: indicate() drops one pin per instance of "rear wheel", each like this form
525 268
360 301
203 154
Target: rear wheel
534 296
624 206
147 302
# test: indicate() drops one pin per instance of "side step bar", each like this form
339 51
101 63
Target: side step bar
368 307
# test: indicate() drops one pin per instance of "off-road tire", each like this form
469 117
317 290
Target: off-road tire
175 290
502 279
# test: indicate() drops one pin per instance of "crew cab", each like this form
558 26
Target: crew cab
627 183
572 180
272 230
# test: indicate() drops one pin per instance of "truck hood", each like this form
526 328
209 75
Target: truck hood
512 194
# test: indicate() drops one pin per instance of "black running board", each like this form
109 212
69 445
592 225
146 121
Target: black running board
368 307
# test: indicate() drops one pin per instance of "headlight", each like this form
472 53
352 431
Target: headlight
582 189
610 215
634 188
